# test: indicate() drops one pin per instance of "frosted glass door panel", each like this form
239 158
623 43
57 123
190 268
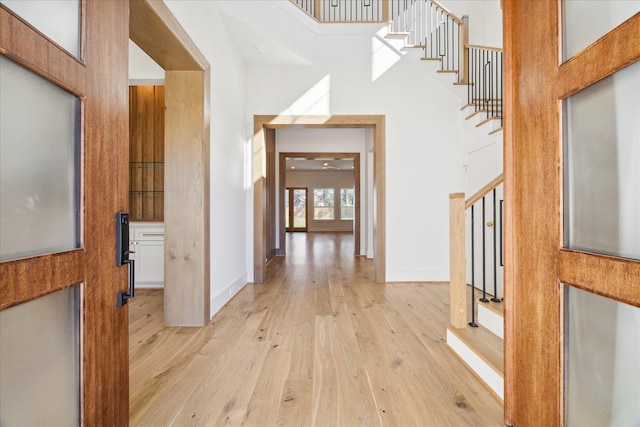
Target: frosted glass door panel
602 166
40 361
585 21
39 165
602 361
57 19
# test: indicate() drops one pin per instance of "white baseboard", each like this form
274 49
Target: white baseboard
225 296
400 275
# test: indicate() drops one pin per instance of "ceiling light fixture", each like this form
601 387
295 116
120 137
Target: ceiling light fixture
261 49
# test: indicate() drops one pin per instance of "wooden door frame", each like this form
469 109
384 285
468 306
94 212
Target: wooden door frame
157 32
262 123
282 171
306 209
536 263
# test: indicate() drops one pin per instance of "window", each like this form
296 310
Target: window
346 203
323 204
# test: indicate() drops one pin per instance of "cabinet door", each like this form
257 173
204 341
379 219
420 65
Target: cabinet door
149 256
149 264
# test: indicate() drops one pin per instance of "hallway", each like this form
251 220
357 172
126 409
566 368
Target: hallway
318 344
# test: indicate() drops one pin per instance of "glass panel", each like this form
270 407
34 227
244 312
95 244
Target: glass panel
602 166
585 21
39 165
299 208
346 203
602 361
57 19
40 361
323 204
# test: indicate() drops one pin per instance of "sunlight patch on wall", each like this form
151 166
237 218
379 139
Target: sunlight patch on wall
385 53
315 101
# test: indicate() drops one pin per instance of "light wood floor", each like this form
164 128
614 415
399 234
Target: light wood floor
318 344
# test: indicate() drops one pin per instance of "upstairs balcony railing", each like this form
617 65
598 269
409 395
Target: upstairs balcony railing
346 10
442 35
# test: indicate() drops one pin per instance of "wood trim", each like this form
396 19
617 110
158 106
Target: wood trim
510 109
457 261
484 191
447 11
464 42
588 271
67 269
105 367
385 10
23 44
585 68
475 46
187 260
270 188
317 10
262 122
157 32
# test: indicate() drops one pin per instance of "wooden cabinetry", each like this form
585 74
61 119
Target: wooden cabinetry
146 153
147 247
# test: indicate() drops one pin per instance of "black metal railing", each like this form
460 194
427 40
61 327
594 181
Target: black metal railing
429 25
344 10
485 81
484 255
306 5
352 10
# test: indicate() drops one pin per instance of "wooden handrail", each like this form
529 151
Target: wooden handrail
483 191
475 46
446 11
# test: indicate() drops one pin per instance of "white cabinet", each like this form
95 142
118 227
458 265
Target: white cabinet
147 244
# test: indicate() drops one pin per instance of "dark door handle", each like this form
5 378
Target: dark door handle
124 296
122 255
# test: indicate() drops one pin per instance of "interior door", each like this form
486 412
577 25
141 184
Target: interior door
63 177
572 199
296 216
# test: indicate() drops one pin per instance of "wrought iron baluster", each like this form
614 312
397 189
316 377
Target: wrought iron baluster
495 261
484 251
473 275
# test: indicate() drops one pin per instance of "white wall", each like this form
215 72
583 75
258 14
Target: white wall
362 73
143 70
229 147
485 19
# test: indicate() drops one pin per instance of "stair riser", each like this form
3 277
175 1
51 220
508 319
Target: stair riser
491 320
485 372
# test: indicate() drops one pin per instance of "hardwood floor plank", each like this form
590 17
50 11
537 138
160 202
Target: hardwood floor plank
318 344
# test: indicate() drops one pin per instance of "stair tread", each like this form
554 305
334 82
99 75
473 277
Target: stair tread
424 58
495 131
484 343
487 120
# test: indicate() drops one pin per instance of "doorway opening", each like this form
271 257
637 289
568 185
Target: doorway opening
334 184
295 209
157 32
264 190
